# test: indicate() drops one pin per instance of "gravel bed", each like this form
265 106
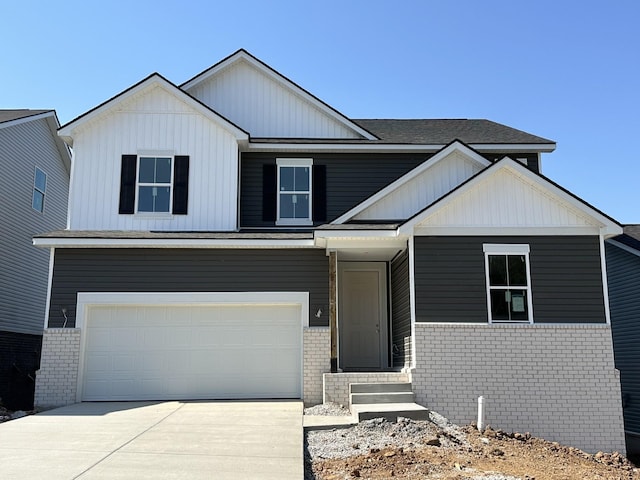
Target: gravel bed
328 409
379 433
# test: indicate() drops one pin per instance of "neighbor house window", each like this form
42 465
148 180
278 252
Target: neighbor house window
154 184
294 191
508 283
39 190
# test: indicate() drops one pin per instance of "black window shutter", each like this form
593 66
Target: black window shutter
180 184
319 193
128 184
269 192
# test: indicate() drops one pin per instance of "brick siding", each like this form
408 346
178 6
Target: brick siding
57 379
554 381
317 350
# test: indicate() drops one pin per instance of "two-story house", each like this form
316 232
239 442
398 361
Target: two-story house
34 184
236 237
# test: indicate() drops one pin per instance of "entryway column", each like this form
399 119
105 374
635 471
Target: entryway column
333 311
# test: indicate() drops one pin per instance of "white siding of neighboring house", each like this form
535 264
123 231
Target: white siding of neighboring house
24 268
155 120
423 190
265 107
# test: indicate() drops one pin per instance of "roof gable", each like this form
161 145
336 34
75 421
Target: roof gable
506 196
267 104
421 186
10 118
160 86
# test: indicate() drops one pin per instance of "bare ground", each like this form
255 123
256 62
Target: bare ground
426 450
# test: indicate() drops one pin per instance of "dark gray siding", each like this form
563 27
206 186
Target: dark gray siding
351 178
566 279
400 309
19 360
24 268
188 270
623 272
532 158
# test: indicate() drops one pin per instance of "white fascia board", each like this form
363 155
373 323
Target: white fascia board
514 148
168 243
424 166
514 231
30 118
390 147
355 233
372 244
624 247
67 131
61 145
241 55
607 227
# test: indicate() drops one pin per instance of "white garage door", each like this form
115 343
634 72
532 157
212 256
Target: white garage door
192 352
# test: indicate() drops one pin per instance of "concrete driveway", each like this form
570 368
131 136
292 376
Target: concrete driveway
153 440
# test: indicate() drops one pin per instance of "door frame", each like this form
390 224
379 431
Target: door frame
381 268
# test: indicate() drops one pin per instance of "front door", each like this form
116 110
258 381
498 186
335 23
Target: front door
362 315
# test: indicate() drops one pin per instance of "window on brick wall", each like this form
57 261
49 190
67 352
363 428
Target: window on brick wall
508 283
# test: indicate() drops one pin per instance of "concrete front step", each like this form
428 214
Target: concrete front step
380 387
382 397
389 411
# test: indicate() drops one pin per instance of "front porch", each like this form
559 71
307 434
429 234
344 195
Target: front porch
369 299
369 312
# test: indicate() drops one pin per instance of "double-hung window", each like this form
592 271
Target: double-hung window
39 190
154 184
508 283
294 191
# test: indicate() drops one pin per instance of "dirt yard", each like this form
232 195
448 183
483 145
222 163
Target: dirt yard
424 450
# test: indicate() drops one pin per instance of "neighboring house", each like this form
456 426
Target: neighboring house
623 269
236 237
34 186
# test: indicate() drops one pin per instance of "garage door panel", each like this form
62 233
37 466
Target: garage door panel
181 352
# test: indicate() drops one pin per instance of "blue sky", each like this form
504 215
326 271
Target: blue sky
564 70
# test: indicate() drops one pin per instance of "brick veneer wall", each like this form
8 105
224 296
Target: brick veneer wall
317 350
56 381
555 381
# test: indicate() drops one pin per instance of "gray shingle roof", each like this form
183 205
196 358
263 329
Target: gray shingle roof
8 115
443 131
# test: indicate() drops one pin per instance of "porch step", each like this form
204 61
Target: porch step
370 393
380 387
382 397
389 411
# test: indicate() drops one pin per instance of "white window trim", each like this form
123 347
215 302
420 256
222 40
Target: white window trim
294 162
508 249
144 184
36 189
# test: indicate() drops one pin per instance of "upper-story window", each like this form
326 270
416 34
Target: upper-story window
39 190
508 283
155 184
294 191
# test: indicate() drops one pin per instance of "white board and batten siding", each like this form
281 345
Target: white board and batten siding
506 199
423 189
154 121
266 107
